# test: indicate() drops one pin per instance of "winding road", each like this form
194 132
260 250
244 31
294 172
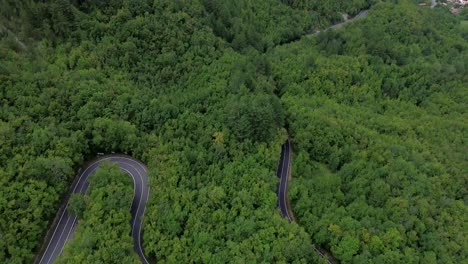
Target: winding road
361 14
284 173
67 222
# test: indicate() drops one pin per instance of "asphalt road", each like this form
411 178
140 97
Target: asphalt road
67 222
361 14
283 172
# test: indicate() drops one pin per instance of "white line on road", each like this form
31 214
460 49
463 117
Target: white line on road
74 191
285 183
58 224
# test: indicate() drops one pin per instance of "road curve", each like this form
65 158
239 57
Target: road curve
284 173
361 14
67 222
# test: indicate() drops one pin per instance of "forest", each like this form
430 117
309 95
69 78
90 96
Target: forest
205 92
377 114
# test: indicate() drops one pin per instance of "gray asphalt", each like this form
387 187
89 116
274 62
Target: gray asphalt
361 14
283 172
67 222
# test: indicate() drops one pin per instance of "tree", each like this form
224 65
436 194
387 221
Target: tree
77 205
254 117
347 247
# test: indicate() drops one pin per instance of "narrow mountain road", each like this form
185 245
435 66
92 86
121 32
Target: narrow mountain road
284 173
361 14
66 224
284 166
19 42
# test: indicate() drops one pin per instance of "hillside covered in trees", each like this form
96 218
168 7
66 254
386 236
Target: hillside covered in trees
205 92
377 114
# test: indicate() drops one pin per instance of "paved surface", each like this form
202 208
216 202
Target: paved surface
361 14
283 172
67 222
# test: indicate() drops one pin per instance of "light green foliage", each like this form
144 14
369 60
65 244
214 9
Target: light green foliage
214 196
154 79
22 206
103 231
377 116
202 92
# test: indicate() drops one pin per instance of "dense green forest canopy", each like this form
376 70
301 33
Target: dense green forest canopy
377 113
204 93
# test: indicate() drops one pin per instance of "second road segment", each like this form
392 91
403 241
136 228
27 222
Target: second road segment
284 173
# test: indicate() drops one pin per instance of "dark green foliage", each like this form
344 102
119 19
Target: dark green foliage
255 117
331 10
173 39
257 24
32 19
77 205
